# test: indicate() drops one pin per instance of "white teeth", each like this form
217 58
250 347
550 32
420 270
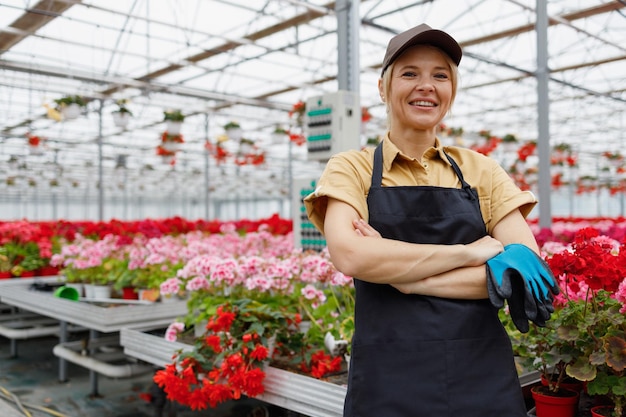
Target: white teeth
423 103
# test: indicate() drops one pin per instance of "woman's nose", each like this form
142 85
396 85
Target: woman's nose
424 85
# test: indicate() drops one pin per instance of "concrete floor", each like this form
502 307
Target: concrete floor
32 377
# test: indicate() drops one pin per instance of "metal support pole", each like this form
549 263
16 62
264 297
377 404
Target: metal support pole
207 191
93 375
14 348
100 165
62 362
348 25
543 115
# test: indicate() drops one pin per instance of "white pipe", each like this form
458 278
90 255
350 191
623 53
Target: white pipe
68 352
11 333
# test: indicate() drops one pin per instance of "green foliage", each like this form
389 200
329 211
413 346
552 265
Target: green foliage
585 340
231 125
19 257
151 276
121 107
67 100
335 316
173 116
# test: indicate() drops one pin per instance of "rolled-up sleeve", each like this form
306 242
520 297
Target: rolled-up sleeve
341 180
506 196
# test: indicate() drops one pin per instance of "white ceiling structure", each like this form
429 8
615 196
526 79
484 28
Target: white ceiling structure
250 61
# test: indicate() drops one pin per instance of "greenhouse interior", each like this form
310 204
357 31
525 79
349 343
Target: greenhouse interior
168 146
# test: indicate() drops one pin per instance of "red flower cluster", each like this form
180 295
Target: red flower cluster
366 116
297 138
34 140
321 364
594 263
526 150
488 146
235 371
44 232
166 137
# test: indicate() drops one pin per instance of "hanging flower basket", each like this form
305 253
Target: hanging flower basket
171 142
70 107
280 135
121 119
71 111
174 120
173 127
169 157
35 144
122 115
298 110
233 131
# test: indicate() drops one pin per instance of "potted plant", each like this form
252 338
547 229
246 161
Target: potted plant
70 106
174 120
122 115
509 142
228 358
586 337
233 130
148 279
298 111
280 134
241 336
591 310
171 142
542 349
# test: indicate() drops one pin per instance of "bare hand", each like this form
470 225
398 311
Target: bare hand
484 249
362 228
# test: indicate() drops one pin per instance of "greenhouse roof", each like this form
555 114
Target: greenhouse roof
250 61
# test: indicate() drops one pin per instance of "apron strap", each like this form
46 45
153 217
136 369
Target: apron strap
459 174
377 171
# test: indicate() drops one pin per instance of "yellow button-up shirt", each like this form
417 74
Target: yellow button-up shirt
347 177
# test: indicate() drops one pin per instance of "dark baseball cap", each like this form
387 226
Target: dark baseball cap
421 35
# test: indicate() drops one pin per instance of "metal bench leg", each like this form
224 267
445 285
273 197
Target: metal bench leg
14 348
62 362
93 375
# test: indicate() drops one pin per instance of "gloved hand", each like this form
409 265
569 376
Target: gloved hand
533 269
522 305
520 276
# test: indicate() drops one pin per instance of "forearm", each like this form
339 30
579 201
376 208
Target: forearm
391 261
357 250
469 283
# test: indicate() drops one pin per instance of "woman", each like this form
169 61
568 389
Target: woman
414 222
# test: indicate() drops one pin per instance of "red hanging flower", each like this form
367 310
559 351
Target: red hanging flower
33 140
297 138
298 111
166 137
526 150
217 151
366 116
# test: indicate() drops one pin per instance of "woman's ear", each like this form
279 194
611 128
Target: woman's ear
380 89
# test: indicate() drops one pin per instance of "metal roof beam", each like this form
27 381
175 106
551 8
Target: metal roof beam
34 19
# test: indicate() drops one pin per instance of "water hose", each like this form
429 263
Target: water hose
9 396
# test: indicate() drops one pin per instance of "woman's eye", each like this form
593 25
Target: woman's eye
442 76
409 74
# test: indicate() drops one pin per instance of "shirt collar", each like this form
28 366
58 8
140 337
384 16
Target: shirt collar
391 152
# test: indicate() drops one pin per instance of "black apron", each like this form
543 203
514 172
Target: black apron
414 355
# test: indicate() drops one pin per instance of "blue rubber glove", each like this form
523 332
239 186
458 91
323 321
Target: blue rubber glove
522 304
532 268
521 277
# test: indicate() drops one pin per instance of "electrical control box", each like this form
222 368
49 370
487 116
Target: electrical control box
333 124
305 233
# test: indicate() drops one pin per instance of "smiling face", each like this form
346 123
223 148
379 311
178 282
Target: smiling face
419 89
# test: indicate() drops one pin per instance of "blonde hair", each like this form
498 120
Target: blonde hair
454 79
